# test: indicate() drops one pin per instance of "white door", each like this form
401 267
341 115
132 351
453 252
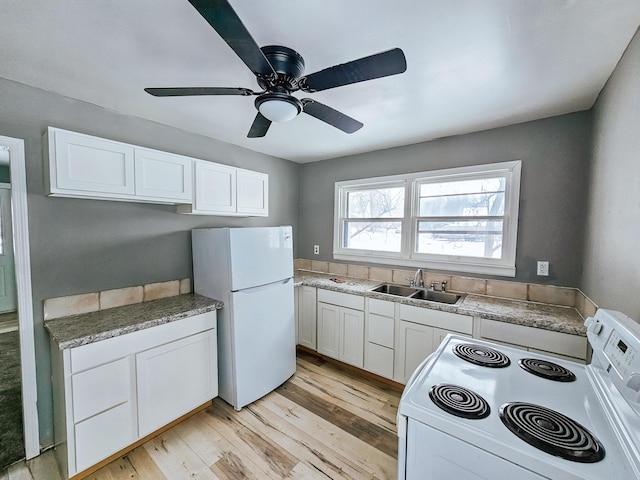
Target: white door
253 192
215 187
7 269
328 330
175 378
260 256
307 317
416 344
352 336
264 343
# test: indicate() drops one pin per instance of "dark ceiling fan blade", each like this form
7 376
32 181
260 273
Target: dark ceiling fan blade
259 126
223 18
189 91
331 116
379 65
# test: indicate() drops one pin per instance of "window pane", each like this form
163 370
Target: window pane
376 203
468 198
477 238
380 236
462 187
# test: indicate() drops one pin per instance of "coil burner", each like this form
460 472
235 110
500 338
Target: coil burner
546 369
459 401
481 355
551 432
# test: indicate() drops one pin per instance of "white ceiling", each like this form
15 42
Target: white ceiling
471 65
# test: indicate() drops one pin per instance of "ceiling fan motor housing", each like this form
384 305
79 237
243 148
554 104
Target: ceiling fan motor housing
288 65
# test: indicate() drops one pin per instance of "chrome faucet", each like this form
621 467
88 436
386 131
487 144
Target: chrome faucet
418 280
443 285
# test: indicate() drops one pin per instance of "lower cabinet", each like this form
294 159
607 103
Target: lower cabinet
306 324
174 378
111 393
421 331
341 327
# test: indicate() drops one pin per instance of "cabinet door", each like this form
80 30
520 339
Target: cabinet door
328 330
215 188
163 176
86 165
175 378
253 192
415 344
307 317
352 337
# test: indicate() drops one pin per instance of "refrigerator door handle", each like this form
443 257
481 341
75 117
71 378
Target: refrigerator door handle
264 287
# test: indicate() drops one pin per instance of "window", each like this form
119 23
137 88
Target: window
462 219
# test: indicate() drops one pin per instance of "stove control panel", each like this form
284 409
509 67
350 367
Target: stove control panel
620 354
615 340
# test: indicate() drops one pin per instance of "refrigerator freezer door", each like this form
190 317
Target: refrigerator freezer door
259 256
264 340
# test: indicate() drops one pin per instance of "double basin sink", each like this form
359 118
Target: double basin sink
417 293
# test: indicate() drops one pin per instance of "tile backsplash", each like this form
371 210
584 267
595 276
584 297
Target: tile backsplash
92 302
550 294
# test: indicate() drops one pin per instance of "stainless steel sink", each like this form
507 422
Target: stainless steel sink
397 290
417 293
435 296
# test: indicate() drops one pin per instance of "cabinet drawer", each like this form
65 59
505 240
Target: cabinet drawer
341 299
381 307
381 330
437 318
379 360
98 437
546 340
101 388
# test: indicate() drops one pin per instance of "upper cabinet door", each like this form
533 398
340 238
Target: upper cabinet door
162 175
215 188
87 164
253 193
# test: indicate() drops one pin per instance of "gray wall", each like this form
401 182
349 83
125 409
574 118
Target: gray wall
555 156
80 246
612 252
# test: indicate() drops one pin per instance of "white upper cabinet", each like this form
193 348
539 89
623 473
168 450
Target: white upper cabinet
224 190
163 175
89 166
215 188
253 192
84 166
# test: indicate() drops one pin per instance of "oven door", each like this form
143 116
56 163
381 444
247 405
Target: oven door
434 455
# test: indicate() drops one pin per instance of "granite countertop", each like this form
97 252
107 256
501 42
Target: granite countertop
530 314
77 330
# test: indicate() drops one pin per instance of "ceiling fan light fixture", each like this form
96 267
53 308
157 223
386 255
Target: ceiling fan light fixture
278 107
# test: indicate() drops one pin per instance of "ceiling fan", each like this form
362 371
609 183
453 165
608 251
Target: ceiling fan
279 73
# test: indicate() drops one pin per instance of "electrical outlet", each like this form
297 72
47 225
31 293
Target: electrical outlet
316 249
543 268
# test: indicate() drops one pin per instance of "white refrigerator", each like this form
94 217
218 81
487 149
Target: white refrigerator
251 271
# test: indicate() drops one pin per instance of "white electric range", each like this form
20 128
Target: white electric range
477 410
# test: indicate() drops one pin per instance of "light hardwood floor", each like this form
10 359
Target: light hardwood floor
324 423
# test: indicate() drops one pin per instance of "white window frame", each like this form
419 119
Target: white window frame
504 266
